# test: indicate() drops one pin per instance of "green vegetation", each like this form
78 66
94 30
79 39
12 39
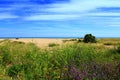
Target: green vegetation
16 38
118 49
112 41
53 44
89 38
108 43
78 61
69 40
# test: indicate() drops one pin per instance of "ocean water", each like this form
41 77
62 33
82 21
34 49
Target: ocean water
51 37
37 37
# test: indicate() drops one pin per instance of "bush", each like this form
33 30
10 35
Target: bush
108 43
73 40
89 38
18 42
79 40
13 71
6 59
69 40
16 38
118 49
53 44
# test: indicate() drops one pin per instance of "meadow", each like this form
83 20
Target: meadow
76 61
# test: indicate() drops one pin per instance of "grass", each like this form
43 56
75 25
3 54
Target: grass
69 40
108 43
78 61
53 44
111 41
118 49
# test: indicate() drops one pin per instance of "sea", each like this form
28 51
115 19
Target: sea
52 37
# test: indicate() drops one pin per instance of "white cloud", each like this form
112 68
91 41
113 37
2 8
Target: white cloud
104 14
52 17
83 5
7 16
62 11
73 10
114 25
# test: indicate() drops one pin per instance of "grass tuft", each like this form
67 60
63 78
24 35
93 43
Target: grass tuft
53 44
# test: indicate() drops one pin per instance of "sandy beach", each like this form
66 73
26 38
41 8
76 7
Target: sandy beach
40 42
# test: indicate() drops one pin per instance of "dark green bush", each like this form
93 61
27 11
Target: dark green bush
16 38
18 42
79 40
13 71
89 38
53 44
68 40
65 41
6 59
73 40
118 49
108 43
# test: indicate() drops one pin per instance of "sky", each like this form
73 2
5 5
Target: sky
59 18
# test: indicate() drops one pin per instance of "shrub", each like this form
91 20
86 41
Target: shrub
53 44
89 38
73 40
79 40
118 49
18 42
65 41
108 43
6 59
16 38
13 71
69 40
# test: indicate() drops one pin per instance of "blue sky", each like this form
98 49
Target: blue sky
59 18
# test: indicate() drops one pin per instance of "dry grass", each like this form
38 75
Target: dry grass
42 43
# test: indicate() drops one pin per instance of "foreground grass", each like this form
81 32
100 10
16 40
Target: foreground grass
78 61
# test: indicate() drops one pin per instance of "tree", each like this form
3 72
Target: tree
89 38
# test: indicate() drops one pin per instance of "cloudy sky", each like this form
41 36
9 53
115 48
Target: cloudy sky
59 18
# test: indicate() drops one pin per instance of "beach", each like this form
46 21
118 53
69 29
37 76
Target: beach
41 42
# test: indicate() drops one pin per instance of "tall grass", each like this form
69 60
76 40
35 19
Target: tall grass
53 44
20 61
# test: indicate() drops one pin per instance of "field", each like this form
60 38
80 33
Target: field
68 59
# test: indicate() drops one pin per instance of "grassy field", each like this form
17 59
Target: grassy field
76 61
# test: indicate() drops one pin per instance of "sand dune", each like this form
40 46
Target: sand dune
41 42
